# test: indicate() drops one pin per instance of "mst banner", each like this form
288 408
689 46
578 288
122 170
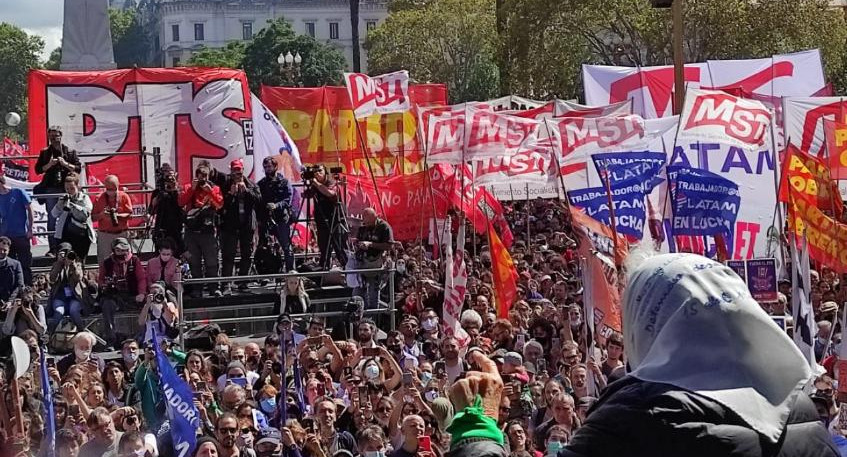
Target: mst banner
321 123
189 113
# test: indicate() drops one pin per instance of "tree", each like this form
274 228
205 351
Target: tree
54 60
130 41
20 53
450 41
229 56
322 64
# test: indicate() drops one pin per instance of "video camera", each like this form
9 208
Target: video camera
308 172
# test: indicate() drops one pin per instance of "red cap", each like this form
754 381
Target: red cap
237 163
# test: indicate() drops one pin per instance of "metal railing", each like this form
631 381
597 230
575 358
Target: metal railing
388 270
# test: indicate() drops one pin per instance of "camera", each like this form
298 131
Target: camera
70 255
113 215
159 298
308 172
202 182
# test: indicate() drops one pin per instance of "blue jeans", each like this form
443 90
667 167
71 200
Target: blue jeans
369 289
283 237
62 307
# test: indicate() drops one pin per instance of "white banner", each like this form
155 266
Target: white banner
715 116
651 88
804 118
383 94
271 140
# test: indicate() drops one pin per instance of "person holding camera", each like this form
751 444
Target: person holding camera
166 212
201 200
69 292
159 315
73 218
123 282
25 314
55 162
238 223
329 215
275 211
112 211
373 239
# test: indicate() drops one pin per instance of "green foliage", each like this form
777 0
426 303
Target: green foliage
229 56
322 64
539 45
450 41
131 43
54 60
20 53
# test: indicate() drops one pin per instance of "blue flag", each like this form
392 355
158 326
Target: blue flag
643 166
628 198
282 407
182 414
50 420
704 203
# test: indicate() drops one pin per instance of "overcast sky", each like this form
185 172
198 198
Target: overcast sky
40 17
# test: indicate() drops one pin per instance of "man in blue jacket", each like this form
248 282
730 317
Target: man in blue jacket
11 273
276 209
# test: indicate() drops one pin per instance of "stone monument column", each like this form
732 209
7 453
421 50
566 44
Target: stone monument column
86 38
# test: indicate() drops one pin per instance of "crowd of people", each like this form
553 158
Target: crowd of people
533 383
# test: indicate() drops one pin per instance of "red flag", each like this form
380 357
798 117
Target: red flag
505 275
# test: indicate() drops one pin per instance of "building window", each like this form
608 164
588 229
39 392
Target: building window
175 32
174 61
247 30
310 29
198 32
370 25
333 30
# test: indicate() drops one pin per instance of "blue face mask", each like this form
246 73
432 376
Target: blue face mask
268 405
426 377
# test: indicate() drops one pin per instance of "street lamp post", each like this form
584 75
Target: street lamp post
289 67
678 58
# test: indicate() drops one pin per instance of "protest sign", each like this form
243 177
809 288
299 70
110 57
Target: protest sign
761 280
711 116
703 203
383 94
739 267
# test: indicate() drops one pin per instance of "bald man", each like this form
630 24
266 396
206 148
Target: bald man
373 239
111 212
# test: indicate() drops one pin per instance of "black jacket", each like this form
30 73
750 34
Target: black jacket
637 418
233 218
477 448
54 178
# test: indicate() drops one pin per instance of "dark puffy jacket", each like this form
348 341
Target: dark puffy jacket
637 418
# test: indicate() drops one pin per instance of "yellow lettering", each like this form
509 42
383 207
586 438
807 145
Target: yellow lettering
840 136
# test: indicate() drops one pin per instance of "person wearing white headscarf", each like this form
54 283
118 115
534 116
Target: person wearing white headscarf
712 374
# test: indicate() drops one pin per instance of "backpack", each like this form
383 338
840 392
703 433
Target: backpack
268 258
61 339
201 337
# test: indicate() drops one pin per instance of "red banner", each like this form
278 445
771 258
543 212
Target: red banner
321 122
188 113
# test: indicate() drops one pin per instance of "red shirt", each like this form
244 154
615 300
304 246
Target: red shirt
104 221
196 198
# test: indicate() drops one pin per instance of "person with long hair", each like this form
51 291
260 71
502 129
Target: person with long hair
117 389
293 298
196 363
519 439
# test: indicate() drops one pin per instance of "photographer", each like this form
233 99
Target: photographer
112 211
73 223
201 200
24 314
69 293
159 314
166 211
11 274
123 282
238 223
329 215
275 212
373 239
55 162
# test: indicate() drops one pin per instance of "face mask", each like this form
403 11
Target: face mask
140 453
111 193
82 355
576 323
222 348
553 447
371 371
130 357
426 377
401 268
375 454
246 440
431 395
268 405
430 324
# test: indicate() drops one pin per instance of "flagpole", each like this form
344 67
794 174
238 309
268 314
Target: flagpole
612 220
528 229
363 140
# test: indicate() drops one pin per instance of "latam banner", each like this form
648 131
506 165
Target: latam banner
383 94
718 116
650 88
188 113
322 124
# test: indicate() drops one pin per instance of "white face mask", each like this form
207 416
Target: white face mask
130 357
371 371
82 355
431 395
375 454
430 324
222 348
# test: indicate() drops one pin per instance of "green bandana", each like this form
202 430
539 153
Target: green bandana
473 423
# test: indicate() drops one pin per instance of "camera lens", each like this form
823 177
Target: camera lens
160 297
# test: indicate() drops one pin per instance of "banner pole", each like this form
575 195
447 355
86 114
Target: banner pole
365 149
528 236
612 220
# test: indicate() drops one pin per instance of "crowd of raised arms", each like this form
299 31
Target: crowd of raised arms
373 393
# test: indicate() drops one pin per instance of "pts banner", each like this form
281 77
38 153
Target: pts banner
188 113
322 124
